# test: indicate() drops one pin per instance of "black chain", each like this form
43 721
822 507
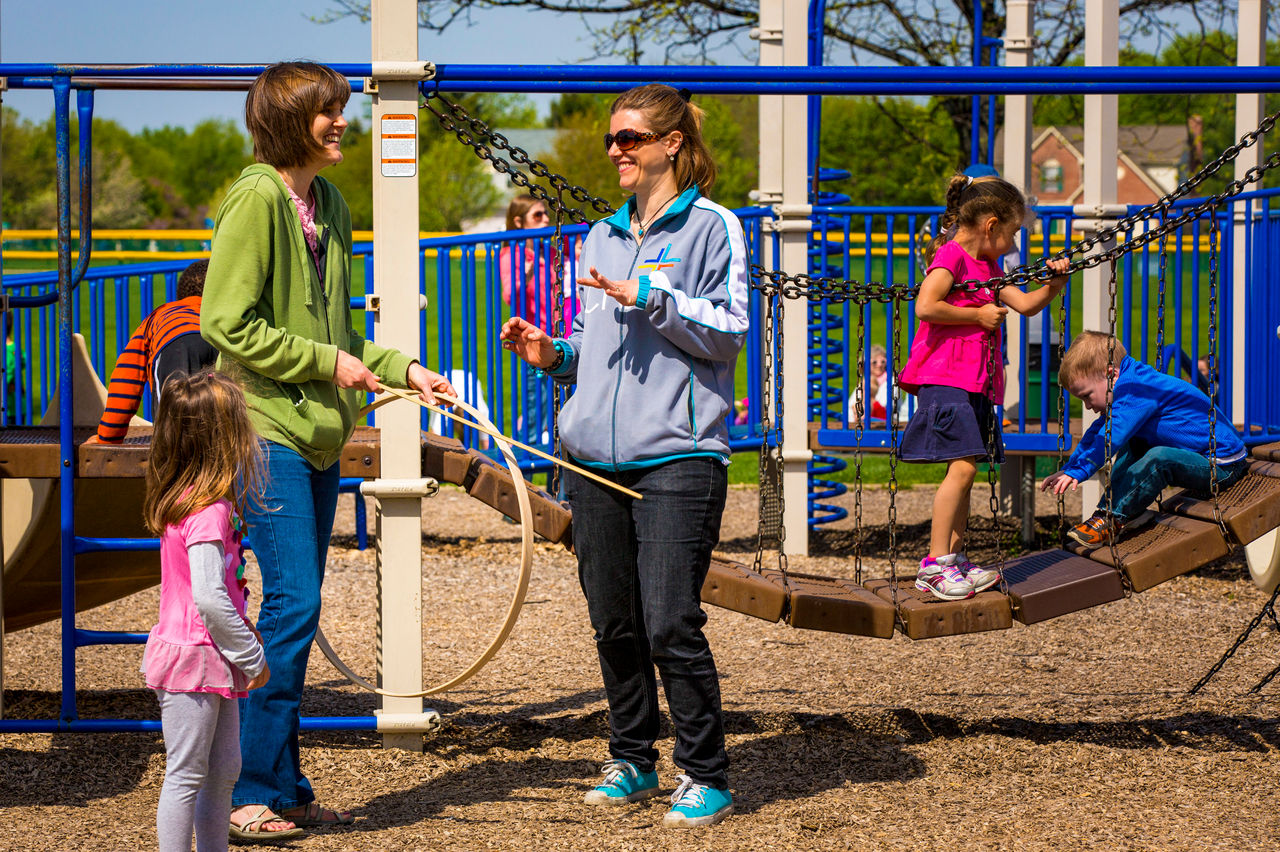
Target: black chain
841 290
1160 290
482 139
1269 608
994 367
858 425
1107 446
556 277
894 370
770 463
1062 418
1214 236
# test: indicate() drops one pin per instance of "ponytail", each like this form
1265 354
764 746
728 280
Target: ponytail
667 110
969 201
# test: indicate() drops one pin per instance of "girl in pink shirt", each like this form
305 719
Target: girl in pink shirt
956 367
203 654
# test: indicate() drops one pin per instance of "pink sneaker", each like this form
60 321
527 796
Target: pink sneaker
944 581
980 578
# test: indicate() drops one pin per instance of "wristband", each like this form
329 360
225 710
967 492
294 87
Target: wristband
559 360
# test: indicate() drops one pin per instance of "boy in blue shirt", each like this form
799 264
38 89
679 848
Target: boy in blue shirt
1159 435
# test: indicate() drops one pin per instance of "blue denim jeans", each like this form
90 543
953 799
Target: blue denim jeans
1140 472
641 564
290 540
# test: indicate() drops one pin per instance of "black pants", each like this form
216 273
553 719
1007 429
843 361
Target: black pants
187 354
641 564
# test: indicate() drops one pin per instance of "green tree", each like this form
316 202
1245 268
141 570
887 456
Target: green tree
1216 111
856 134
938 33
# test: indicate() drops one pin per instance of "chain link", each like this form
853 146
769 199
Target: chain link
482 139
994 364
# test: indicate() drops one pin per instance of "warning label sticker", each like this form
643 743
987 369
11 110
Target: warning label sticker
399 149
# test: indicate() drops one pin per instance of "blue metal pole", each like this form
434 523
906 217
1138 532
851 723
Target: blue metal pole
66 443
975 104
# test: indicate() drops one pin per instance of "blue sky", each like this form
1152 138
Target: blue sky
251 31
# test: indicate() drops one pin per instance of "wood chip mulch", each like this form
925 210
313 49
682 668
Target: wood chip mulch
1076 733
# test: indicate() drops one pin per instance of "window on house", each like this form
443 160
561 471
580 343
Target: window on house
1051 176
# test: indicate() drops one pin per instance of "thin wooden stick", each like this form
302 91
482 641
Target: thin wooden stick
493 433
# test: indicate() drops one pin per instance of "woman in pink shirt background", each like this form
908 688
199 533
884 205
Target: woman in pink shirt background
956 369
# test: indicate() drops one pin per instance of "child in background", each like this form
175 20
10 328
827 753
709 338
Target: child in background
203 654
1159 435
167 342
955 367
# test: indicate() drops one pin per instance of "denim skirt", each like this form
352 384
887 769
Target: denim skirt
951 423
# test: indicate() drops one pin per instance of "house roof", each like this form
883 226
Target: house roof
1147 145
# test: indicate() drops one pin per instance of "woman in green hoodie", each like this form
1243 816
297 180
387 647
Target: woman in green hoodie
276 306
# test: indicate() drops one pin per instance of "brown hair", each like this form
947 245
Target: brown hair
191 281
282 102
203 448
1089 355
519 206
667 110
971 200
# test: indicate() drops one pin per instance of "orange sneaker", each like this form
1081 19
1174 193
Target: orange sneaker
1094 532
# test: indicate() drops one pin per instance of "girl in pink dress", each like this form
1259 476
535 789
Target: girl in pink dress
203 653
956 367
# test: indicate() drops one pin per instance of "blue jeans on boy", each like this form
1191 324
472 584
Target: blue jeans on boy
1140 472
290 540
641 564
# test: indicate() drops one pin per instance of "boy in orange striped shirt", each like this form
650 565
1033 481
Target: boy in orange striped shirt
168 341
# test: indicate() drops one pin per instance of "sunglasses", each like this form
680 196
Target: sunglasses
539 214
628 139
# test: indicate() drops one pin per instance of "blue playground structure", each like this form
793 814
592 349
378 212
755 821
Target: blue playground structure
847 241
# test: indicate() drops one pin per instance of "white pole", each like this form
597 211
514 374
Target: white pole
395 260
1018 46
1251 50
1101 116
793 216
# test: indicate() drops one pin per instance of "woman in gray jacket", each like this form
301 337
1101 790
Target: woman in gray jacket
662 317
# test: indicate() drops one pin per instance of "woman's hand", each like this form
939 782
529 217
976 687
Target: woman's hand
428 383
350 372
261 679
530 343
625 292
991 316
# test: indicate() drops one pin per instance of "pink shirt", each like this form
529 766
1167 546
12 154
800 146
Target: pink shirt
958 356
181 655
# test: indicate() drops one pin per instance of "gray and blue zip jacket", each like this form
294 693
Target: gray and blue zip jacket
655 380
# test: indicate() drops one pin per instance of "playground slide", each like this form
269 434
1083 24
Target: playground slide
103 508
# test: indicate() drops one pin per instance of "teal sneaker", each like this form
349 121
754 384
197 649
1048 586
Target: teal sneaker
623 783
694 804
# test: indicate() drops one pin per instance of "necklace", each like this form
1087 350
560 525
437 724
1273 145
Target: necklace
644 225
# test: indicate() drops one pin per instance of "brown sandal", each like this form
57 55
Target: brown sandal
253 830
314 816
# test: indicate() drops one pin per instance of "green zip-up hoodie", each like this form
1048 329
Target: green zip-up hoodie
277 326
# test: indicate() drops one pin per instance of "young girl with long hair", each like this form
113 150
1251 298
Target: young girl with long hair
956 370
203 654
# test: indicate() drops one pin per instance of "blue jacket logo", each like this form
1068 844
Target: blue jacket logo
664 260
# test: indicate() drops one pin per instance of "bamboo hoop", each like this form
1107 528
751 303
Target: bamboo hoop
517 600
493 432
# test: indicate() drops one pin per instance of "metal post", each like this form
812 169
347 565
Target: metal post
1018 45
794 224
395 262
1251 50
1101 115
